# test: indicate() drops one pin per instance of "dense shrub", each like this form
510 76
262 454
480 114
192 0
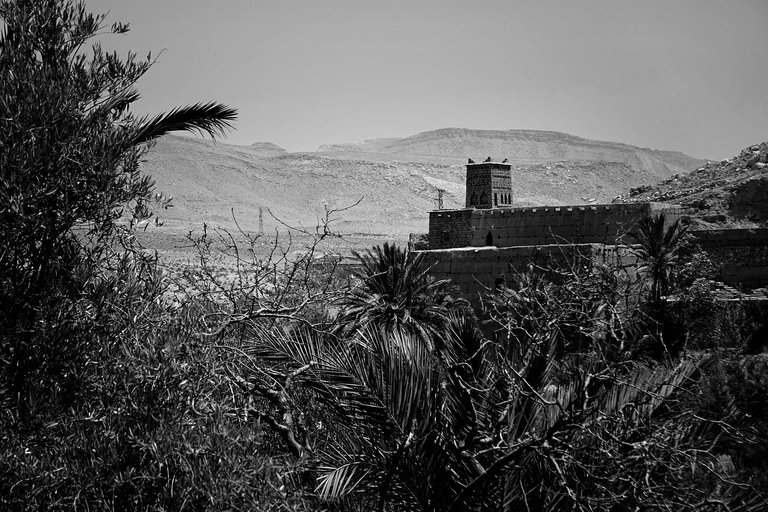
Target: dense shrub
158 426
737 387
706 321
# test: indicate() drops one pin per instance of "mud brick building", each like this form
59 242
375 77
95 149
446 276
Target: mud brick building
485 243
489 185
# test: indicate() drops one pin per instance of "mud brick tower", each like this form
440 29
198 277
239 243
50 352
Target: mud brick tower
489 184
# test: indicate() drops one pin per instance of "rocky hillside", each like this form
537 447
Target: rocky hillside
732 192
211 181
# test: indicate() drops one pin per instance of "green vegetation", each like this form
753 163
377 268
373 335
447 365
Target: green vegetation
287 384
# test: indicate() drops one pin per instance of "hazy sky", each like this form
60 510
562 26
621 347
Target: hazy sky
688 75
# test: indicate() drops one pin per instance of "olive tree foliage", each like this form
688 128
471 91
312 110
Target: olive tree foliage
71 191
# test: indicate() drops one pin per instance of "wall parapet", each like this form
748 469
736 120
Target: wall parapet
540 225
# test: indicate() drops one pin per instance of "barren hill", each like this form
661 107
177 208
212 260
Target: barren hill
455 145
266 149
733 192
210 181
396 180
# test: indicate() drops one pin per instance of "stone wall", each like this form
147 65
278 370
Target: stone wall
544 225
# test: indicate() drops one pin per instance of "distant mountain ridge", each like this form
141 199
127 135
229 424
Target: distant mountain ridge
267 148
455 145
396 179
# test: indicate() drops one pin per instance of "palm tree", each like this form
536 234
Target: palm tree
396 292
406 418
659 251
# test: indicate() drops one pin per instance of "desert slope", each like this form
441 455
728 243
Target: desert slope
210 181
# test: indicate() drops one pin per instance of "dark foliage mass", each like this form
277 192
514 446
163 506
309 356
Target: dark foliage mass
295 385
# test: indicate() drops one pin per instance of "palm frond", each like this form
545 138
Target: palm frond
396 370
340 481
211 118
282 347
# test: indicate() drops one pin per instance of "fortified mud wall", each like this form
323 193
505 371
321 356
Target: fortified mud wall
740 254
544 225
478 270
450 228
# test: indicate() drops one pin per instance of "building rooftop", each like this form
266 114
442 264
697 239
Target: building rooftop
492 163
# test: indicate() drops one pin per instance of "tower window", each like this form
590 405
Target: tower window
495 199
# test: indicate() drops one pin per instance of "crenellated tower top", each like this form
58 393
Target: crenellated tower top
489 184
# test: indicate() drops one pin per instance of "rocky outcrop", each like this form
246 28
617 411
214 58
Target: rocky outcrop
733 191
750 199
